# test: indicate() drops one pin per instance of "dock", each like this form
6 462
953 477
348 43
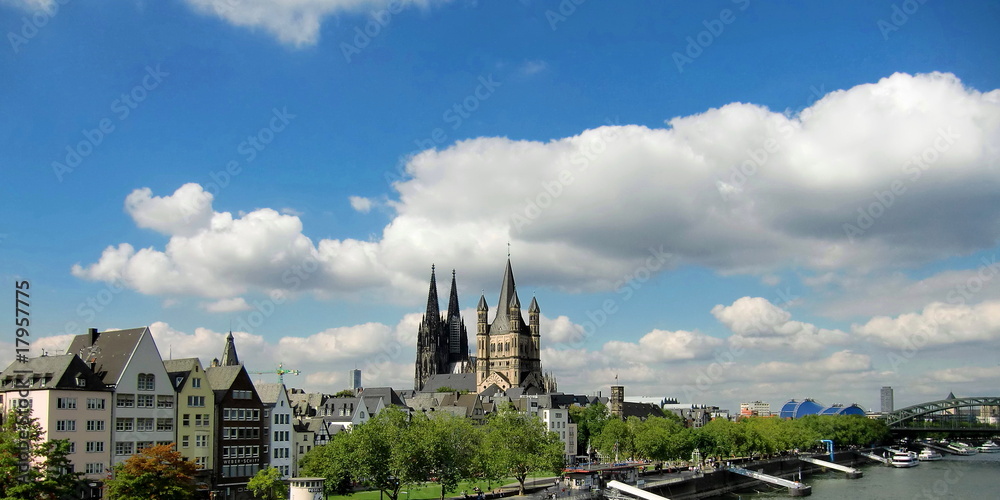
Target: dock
852 473
942 449
632 490
874 457
795 488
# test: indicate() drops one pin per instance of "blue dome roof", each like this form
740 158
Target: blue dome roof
842 410
797 409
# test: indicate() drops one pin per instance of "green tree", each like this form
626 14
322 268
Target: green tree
590 421
450 444
267 484
660 438
519 444
22 438
387 452
346 393
333 461
155 473
616 439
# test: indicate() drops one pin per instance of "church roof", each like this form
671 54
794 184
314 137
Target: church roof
534 306
453 309
433 310
508 297
482 304
229 357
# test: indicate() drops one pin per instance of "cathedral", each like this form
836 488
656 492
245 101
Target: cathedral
507 349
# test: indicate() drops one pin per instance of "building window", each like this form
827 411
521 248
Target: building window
95 425
66 403
196 401
95 468
144 425
186 419
144 401
164 401
196 383
124 425
201 441
95 403
164 424
185 441
142 445
123 447
125 400
72 447
201 462
146 382
95 446
66 425
201 420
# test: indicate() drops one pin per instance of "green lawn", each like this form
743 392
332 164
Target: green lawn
433 490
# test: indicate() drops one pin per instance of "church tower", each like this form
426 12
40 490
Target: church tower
428 338
442 343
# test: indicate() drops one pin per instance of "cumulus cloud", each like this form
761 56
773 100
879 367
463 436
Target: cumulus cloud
361 204
738 189
937 324
183 213
660 345
294 22
759 324
227 305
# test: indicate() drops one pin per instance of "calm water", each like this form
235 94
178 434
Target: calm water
959 478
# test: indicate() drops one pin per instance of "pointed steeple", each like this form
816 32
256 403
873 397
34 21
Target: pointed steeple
482 304
507 290
533 308
453 309
433 314
229 357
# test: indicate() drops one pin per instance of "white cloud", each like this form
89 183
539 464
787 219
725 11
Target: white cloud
559 204
533 67
185 212
966 375
660 345
937 324
361 204
757 323
298 22
32 5
227 305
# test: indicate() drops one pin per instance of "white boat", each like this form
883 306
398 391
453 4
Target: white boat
962 449
903 459
989 447
929 455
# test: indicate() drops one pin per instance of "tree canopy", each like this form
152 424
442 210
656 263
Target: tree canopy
22 440
155 473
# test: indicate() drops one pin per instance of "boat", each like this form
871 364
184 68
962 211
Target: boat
929 455
961 449
903 459
989 447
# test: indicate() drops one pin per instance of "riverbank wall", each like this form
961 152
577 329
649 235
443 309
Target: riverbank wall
721 482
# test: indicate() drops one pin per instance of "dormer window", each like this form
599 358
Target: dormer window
146 382
81 382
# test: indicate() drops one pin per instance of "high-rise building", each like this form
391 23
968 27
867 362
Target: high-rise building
355 380
886 399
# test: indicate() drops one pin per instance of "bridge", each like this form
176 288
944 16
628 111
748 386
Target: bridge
932 416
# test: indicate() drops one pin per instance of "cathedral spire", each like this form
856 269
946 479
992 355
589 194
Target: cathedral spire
433 310
453 310
229 357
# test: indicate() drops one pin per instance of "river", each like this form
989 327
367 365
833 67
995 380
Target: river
955 477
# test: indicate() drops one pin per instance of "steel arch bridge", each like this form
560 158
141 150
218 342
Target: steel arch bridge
895 418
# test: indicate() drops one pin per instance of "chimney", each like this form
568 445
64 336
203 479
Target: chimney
94 334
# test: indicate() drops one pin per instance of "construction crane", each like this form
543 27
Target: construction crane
281 371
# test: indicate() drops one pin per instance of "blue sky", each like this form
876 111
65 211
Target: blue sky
719 153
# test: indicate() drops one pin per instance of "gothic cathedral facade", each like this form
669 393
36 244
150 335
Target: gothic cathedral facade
508 350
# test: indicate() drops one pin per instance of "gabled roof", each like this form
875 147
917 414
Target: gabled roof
180 368
457 381
221 378
52 372
110 353
269 393
390 396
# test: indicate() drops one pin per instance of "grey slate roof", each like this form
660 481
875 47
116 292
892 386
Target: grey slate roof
503 323
388 395
179 368
457 381
112 352
269 393
221 378
52 372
